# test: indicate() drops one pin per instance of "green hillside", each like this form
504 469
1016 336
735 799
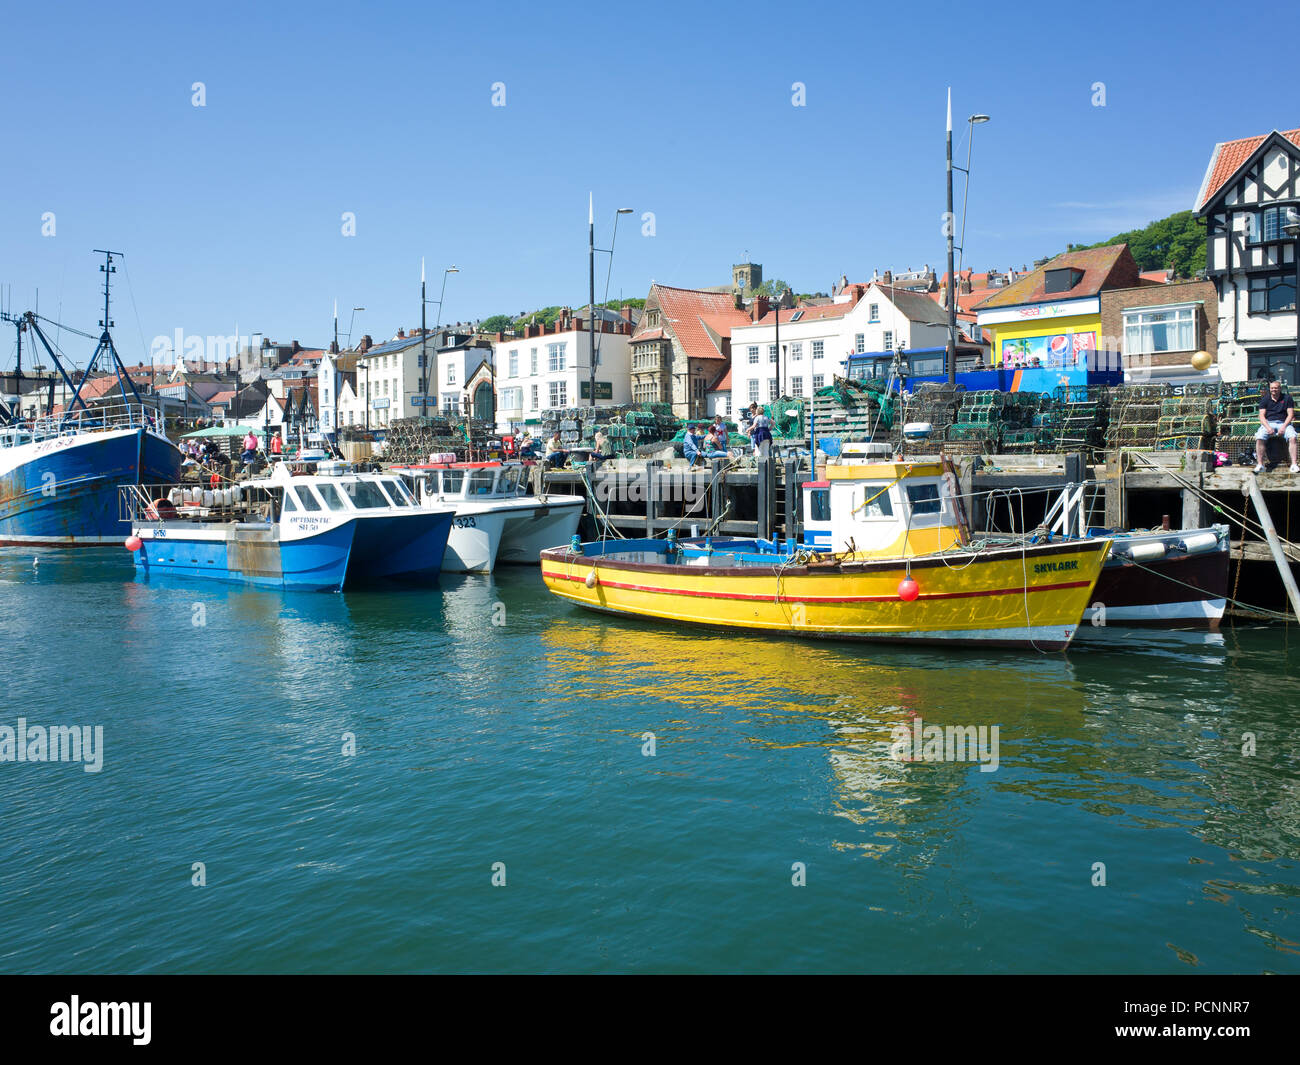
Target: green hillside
1175 243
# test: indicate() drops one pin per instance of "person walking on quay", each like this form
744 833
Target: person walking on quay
1276 418
277 447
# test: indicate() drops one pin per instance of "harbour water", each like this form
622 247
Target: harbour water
495 724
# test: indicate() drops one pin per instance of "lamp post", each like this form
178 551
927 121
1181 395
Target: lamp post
973 121
591 283
424 399
1292 226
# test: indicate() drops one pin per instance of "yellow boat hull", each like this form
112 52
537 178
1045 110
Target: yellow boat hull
1033 597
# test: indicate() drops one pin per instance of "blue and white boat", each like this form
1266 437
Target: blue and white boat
59 478
60 473
315 532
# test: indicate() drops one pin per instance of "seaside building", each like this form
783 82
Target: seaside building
682 346
550 366
1048 323
1248 188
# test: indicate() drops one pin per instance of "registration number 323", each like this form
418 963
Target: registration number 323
463 523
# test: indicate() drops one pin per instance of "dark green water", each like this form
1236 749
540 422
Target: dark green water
521 743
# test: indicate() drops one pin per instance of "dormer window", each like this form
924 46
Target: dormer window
1062 279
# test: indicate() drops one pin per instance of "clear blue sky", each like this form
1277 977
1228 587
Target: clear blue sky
230 214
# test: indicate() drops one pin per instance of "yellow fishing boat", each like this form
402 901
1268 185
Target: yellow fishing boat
886 557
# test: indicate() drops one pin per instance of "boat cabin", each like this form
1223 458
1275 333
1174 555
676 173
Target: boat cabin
475 482
883 508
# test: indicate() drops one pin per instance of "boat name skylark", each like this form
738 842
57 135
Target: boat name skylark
951 743
58 743
1055 567
102 1018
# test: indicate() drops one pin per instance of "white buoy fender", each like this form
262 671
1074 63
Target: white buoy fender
917 429
1143 552
1200 542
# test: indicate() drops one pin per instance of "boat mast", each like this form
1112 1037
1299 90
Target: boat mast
106 343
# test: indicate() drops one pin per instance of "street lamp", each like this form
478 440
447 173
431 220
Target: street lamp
591 279
973 121
1292 226
424 356
350 321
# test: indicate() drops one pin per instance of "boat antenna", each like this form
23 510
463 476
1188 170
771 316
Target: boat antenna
124 381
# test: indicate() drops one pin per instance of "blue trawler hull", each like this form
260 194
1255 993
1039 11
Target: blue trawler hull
407 547
63 491
251 554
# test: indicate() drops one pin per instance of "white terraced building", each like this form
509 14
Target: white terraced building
550 366
816 341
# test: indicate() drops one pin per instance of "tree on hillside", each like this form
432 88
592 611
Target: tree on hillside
1175 243
498 323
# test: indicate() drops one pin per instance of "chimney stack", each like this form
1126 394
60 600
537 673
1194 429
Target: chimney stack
758 308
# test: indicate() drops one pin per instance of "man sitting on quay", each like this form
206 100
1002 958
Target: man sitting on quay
1276 417
694 447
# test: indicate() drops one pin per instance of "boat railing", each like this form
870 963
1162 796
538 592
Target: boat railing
100 417
144 504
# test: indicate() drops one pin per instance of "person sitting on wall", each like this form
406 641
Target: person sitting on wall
600 451
691 445
1276 418
527 447
714 447
556 456
250 448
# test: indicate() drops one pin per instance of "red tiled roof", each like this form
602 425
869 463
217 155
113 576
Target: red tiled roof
723 382
1229 157
1161 276
689 314
810 314
649 334
1111 266
222 397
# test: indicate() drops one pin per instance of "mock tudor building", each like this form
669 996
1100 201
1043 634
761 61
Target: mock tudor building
1249 186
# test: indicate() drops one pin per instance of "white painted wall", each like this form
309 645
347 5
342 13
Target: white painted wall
517 380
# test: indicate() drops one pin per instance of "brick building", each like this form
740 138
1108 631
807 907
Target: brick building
1159 327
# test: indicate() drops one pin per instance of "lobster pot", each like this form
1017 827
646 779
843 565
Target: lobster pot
176 497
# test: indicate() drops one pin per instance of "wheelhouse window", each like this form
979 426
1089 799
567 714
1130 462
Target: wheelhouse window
365 495
875 502
819 504
305 496
1159 329
924 498
481 481
396 492
289 505
330 494
452 482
